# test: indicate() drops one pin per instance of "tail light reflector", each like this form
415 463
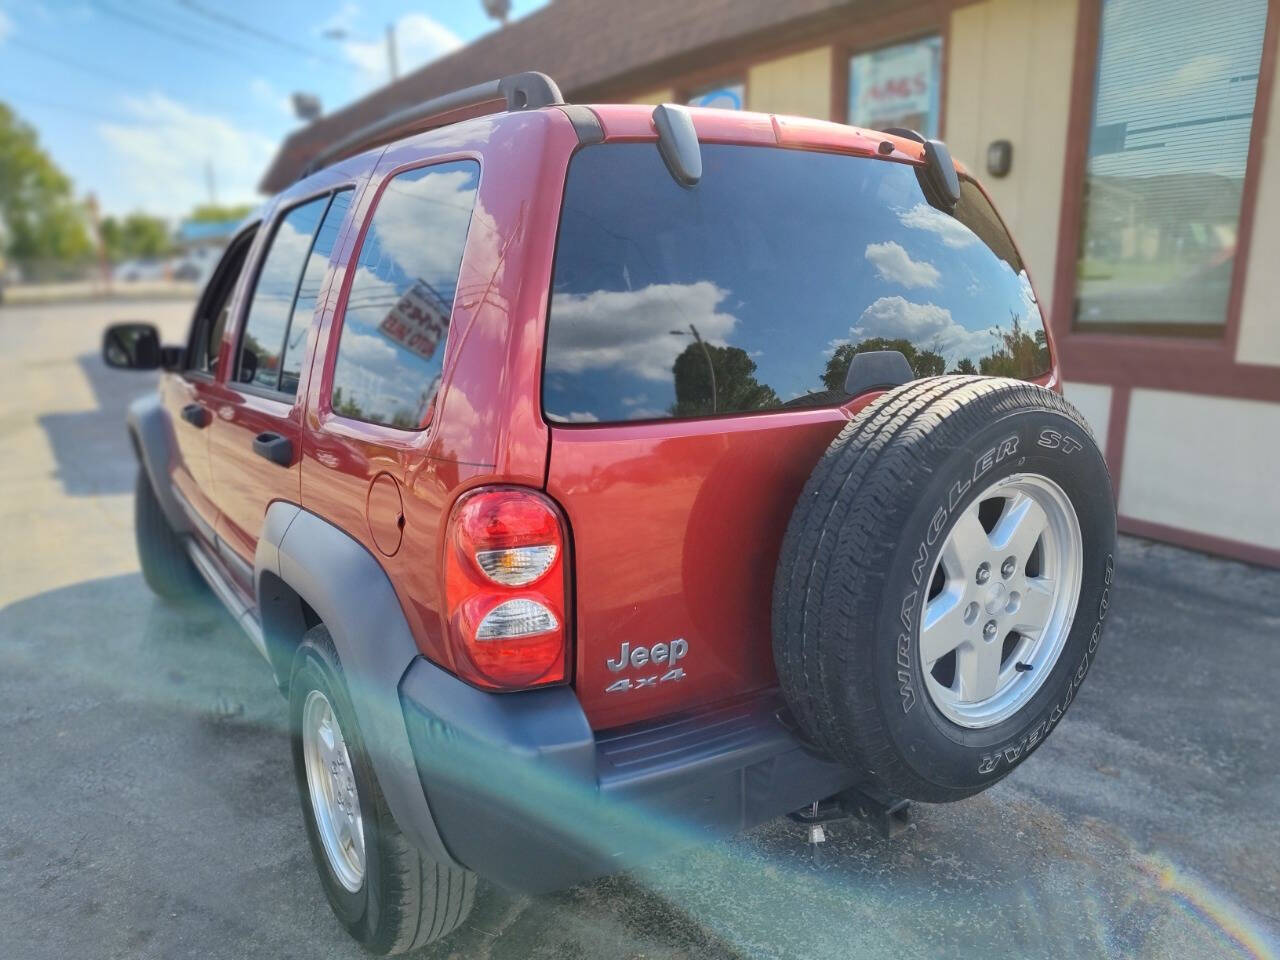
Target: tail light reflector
505 589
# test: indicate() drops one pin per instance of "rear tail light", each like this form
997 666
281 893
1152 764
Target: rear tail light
505 589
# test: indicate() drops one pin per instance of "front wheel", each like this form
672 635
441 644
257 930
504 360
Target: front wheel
387 893
166 566
943 583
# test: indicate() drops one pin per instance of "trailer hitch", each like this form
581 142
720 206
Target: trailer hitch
888 816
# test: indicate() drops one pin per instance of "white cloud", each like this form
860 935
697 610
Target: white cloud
262 90
631 330
950 230
582 416
926 325
343 19
422 219
6 26
419 40
162 157
894 264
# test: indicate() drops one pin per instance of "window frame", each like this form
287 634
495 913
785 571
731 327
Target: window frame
200 320
1146 360
276 219
356 426
1075 181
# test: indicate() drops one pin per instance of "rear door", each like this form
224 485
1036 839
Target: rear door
255 444
188 398
697 348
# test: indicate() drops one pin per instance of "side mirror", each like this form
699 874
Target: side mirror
132 346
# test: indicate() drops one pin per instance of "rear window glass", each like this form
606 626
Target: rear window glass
754 289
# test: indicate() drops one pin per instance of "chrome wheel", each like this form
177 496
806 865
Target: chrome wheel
1001 599
332 785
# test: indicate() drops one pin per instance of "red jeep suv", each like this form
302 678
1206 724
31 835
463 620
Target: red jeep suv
595 479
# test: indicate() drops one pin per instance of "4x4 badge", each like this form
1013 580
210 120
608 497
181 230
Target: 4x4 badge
659 653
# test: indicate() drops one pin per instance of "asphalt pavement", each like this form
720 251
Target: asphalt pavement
147 806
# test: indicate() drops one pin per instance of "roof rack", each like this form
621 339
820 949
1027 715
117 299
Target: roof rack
521 91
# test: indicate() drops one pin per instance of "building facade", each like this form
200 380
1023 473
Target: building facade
1133 147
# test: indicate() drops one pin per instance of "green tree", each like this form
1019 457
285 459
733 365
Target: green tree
137 235
1019 354
964 365
736 384
216 213
924 363
41 217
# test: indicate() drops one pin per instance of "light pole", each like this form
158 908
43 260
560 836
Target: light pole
342 33
711 368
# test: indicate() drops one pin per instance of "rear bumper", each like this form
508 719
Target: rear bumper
526 795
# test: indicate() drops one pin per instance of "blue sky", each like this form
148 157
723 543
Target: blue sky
134 97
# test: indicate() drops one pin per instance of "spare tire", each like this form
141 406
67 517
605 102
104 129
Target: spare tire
943 583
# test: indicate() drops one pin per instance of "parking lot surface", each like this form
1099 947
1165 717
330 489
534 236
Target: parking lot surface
147 805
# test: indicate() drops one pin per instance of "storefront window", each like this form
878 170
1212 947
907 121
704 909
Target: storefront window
897 86
1168 148
723 96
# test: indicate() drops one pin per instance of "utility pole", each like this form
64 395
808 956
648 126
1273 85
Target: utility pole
95 222
392 67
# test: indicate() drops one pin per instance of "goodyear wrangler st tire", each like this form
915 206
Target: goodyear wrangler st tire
943 583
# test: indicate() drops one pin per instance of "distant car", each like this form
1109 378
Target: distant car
593 505
187 270
147 268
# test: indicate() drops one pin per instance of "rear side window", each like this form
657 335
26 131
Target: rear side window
284 297
754 289
391 349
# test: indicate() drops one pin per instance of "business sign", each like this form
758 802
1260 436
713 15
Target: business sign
726 97
418 322
897 87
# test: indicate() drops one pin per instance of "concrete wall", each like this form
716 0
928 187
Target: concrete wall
1093 400
1206 464
1008 69
799 84
1259 340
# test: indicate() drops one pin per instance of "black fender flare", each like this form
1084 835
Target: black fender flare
350 592
151 433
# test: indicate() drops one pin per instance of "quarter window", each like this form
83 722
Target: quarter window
1172 115
391 350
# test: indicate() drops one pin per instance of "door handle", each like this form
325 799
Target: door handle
274 447
197 415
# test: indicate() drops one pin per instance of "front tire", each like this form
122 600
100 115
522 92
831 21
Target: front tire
387 893
166 566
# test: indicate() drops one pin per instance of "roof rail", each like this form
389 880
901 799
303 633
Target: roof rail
521 91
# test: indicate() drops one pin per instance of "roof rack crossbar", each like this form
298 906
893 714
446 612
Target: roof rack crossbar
520 91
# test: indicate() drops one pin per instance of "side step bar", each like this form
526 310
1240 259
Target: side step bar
224 591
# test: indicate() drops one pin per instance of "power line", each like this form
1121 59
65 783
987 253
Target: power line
247 28
72 108
74 64
144 24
